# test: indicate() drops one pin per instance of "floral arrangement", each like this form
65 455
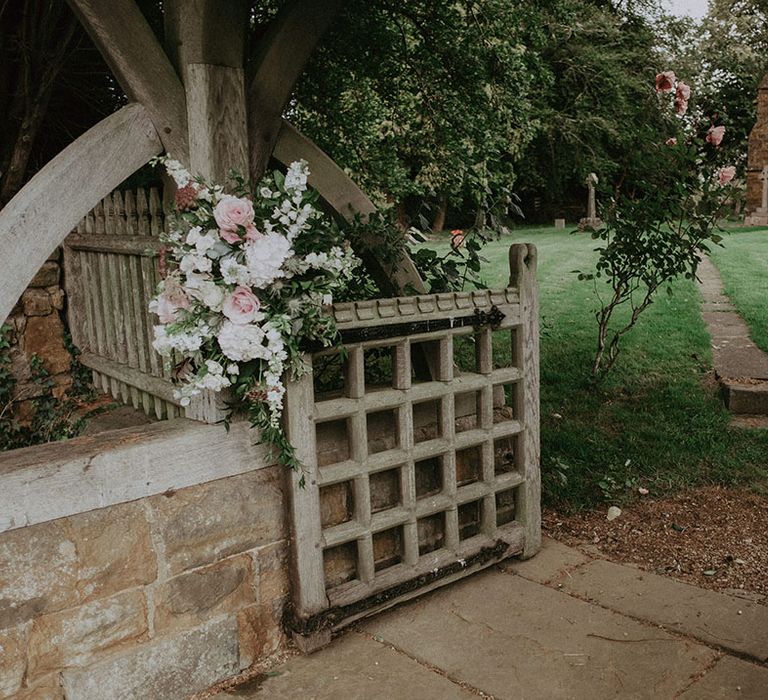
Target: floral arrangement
248 278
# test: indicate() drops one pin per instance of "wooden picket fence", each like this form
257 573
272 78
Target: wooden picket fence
110 263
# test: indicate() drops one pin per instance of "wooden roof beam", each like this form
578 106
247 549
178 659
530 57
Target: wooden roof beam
51 204
140 65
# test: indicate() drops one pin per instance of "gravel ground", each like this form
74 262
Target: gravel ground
710 537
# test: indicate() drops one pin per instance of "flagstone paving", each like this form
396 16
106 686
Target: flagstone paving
561 625
740 365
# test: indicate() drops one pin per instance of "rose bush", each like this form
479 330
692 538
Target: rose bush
656 228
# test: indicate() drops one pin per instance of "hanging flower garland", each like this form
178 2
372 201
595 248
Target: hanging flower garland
247 281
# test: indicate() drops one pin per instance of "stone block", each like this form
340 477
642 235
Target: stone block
195 596
261 631
76 636
274 580
553 560
44 337
13 660
57 297
38 572
36 302
47 688
202 524
167 669
47 275
115 550
62 563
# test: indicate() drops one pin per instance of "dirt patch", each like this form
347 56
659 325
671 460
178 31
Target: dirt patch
711 537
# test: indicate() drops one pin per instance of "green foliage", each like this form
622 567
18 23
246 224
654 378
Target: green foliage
592 104
420 99
51 418
726 57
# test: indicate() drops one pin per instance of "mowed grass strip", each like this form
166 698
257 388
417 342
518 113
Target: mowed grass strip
656 422
743 265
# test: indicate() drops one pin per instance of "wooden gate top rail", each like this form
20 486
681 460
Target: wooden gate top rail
375 312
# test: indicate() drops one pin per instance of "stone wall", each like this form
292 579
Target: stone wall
151 597
758 150
37 329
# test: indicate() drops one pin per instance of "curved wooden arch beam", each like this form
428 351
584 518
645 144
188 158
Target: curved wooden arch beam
282 55
38 218
138 62
346 198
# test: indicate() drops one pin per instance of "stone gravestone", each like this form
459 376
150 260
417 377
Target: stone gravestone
559 223
591 220
759 217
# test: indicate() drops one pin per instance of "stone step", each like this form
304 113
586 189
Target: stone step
750 422
746 399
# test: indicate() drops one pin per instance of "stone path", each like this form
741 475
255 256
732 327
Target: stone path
561 625
740 365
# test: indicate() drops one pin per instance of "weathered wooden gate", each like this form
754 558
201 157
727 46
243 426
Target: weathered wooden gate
111 273
410 484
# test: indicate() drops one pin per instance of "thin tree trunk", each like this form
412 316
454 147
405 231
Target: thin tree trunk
438 224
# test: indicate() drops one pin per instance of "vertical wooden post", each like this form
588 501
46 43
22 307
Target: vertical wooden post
210 65
522 268
308 577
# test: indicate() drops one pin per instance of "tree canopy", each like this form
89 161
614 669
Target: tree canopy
437 104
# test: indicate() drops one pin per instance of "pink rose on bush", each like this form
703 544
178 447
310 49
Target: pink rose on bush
671 141
665 82
715 135
232 212
242 306
682 95
725 175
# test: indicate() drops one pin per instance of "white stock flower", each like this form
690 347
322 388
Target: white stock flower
192 262
232 272
296 177
211 295
193 235
183 341
178 172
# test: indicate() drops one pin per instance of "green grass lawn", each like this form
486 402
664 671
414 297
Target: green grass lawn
656 421
743 265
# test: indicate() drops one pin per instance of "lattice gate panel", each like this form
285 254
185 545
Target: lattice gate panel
433 474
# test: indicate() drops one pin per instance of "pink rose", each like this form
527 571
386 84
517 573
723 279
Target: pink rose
665 82
168 303
725 175
242 306
682 95
232 212
683 92
715 135
671 141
